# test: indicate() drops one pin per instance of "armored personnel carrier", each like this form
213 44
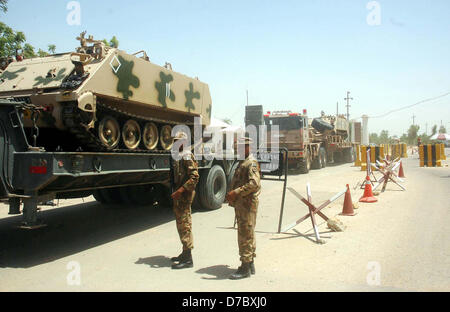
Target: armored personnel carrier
101 98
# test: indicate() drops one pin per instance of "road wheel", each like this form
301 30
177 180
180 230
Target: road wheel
165 137
305 165
150 136
109 132
131 134
213 188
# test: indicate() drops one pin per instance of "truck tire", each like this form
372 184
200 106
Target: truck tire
337 156
213 188
110 196
230 176
317 162
305 165
99 196
348 155
323 157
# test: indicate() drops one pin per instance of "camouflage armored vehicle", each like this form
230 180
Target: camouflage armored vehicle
101 98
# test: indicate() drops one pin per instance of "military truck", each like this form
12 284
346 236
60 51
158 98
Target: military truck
99 121
311 143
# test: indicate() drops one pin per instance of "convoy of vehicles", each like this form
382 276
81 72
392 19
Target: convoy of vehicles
98 121
311 143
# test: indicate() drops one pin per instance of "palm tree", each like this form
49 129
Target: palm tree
51 48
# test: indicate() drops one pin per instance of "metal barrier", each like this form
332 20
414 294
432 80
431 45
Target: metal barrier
430 155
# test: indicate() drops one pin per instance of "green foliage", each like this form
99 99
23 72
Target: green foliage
227 121
51 48
42 53
113 43
28 51
3 5
434 130
425 139
10 41
412 134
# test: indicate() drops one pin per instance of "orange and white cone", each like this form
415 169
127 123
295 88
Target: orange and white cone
401 174
347 209
368 195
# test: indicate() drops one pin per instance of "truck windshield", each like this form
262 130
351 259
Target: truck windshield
285 123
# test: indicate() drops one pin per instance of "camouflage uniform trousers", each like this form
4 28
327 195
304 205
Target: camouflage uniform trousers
246 222
182 211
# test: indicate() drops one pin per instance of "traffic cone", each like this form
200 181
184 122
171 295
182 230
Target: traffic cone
368 195
347 209
401 174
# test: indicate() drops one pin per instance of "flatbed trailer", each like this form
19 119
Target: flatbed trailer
31 175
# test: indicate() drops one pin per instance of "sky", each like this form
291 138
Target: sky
289 55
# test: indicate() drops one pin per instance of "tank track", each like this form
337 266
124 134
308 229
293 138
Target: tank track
88 138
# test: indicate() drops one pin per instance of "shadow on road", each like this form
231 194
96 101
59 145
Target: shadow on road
72 229
156 261
220 272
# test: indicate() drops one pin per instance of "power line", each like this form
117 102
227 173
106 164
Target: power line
408 106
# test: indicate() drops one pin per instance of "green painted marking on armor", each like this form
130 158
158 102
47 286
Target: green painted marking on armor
7 75
161 88
126 78
208 110
46 80
190 95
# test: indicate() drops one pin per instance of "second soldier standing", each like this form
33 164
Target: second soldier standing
186 178
245 189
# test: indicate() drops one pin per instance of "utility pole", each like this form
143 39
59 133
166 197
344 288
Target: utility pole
426 128
413 118
348 98
337 109
247 97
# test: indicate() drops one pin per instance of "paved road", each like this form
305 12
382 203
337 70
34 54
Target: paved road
399 243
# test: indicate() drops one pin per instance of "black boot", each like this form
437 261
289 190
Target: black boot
242 272
177 258
252 267
185 260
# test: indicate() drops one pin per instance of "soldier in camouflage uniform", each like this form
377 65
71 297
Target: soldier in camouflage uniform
185 180
245 189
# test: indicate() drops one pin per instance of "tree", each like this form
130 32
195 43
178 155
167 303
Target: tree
412 134
442 129
114 43
42 53
373 138
51 48
434 130
28 51
10 41
384 137
3 5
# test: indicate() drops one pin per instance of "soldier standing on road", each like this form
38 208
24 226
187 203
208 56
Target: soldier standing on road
185 180
245 189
